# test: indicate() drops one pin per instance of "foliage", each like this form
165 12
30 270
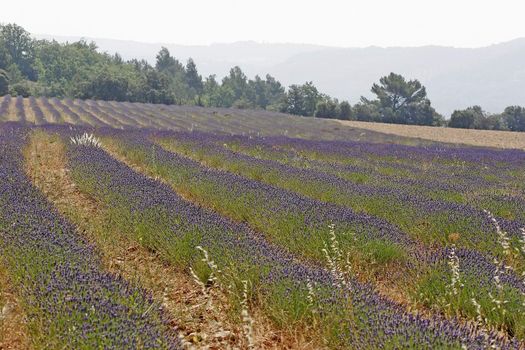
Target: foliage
302 99
4 82
19 46
30 67
514 118
79 70
476 118
399 101
467 118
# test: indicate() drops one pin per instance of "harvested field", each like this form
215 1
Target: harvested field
484 138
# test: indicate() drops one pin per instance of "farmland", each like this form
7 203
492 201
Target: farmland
127 225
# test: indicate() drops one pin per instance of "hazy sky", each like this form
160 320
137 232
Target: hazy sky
463 23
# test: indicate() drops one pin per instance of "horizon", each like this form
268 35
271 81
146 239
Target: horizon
335 23
48 36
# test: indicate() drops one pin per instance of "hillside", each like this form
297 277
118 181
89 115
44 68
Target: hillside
493 77
174 239
125 115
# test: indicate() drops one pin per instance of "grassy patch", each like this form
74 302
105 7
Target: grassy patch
434 291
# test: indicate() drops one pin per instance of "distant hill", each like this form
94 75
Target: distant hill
493 77
254 58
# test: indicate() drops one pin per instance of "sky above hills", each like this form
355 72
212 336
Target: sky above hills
465 23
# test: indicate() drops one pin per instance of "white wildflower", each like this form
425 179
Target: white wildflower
311 295
246 318
339 269
477 305
502 235
212 278
453 262
522 248
498 301
86 140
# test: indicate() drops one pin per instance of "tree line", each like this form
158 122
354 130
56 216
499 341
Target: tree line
30 67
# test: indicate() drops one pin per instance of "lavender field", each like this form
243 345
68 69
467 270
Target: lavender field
138 226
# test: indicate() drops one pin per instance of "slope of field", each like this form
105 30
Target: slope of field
125 115
280 231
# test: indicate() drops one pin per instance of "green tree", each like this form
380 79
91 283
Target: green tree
275 92
311 97
19 45
4 83
216 95
467 118
301 99
267 93
404 102
65 68
237 83
258 92
367 111
394 92
211 92
167 63
491 122
294 103
345 111
5 58
107 84
24 88
514 118
156 87
175 72
327 108
193 79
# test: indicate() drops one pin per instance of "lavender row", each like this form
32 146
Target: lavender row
306 219
155 116
20 112
106 117
363 157
432 152
481 179
246 122
90 117
138 115
55 117
37 112
479 264
107 107
403 207
4 106
432 173
69 300
68 112
378 323
476 267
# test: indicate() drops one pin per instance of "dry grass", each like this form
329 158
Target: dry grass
175 289
487 138
13 325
